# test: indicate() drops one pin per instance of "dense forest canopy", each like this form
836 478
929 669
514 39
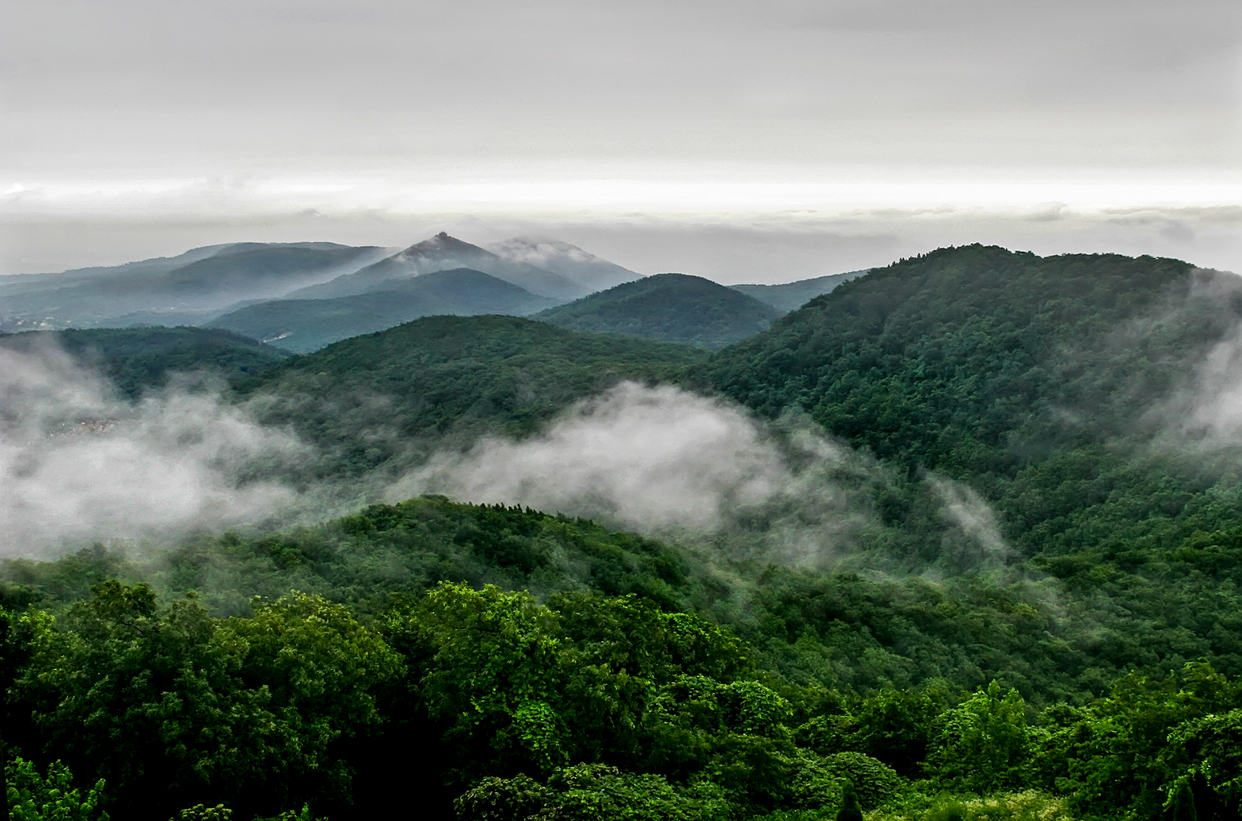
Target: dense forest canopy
1038 615
672 307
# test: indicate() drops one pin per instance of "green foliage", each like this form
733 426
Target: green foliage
201 812
1029 805
51 797
379 398
502 799
984 743
596 792
671 307
169 703
871 782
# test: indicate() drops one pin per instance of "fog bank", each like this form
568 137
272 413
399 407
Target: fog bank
77 464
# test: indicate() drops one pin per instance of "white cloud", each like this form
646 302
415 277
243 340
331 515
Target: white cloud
78 465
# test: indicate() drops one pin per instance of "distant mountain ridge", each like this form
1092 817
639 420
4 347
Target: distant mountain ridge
180 290
443 252
790 296
304 325
570 261
672 307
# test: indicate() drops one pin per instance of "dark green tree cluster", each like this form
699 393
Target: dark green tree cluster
486 704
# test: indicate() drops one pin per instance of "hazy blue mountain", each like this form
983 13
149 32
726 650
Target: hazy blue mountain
672 307
570 261
791 296
304 325
163 291
135 359
443 253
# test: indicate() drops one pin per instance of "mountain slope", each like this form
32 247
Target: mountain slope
570 261
135 359
791 296
374 400
1070 391
672 307
442 253
304 325
189 292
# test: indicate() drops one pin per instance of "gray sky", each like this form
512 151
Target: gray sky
742 140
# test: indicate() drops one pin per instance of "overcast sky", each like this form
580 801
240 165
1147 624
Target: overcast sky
741 140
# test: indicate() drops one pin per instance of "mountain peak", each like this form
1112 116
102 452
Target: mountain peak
442 243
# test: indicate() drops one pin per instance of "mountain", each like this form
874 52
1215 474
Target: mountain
790 296
369 400
672 307
570 261
304 325
442 253
176 290
1074 392
135 359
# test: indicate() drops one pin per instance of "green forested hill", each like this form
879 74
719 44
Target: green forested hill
938 359
135 359
1062 389
371 398
673 307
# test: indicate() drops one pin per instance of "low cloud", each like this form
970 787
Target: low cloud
973 538
667 463
77 464
1207 407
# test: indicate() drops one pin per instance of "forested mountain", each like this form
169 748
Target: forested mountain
1009 369
374 398
135 359
570 261
442 253
181 290
304 325
789 296
672 307
1074 418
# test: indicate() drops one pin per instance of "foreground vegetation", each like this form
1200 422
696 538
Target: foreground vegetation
487 704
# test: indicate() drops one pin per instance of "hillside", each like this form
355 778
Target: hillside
671 307
135 359
1076 393
370 400
177 291
790 296
570 261
304 325
442 253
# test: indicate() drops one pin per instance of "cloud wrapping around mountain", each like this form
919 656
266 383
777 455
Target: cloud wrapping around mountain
664 462
76 464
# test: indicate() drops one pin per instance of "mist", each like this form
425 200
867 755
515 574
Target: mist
77 464
673 465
